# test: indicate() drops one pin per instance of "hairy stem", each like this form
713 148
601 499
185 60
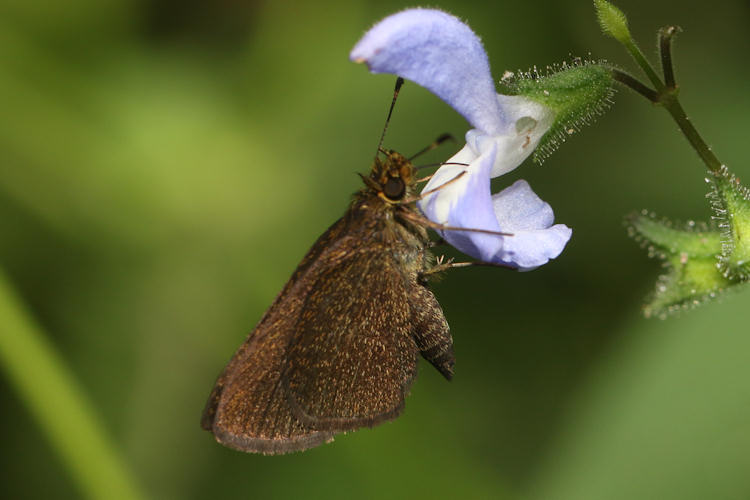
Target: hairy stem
635 84
636 53
673 106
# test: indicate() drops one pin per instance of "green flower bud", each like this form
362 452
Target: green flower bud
690 256
612 21
731 203
576 93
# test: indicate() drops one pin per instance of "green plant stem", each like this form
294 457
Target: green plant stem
49 390
672 104
635 84
636 53
665 51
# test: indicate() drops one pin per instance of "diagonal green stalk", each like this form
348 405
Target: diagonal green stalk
636 54
54 398
635 84
670 102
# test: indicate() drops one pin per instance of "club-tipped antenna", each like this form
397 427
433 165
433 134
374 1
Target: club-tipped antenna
399 83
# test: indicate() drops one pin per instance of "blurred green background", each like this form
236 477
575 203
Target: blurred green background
164 165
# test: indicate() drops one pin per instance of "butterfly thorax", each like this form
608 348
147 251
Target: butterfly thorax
386 205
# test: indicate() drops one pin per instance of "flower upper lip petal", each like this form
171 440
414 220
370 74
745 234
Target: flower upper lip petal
441 53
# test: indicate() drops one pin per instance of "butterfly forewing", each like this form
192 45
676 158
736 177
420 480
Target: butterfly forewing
248 408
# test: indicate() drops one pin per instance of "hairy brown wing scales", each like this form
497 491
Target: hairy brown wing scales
247 408
326 358
353 364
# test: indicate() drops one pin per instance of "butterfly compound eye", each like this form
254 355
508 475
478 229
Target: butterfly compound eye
394 188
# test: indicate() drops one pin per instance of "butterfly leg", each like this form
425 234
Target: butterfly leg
441 264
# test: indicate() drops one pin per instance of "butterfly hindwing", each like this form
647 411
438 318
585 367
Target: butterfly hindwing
354 356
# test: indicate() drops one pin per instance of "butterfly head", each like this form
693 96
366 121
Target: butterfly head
392 178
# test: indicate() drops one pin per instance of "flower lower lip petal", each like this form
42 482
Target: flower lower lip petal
530 249
518 208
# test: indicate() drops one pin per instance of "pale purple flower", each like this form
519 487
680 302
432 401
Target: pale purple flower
441 53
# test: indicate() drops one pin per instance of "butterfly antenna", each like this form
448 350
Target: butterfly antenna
439 164
399 83
435 144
